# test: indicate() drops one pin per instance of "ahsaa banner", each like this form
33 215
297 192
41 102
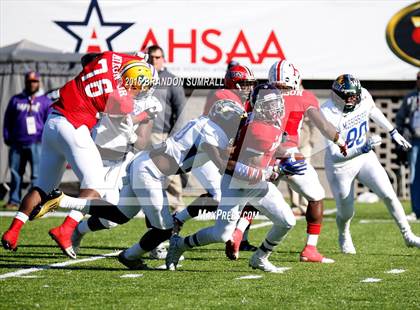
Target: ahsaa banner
323 38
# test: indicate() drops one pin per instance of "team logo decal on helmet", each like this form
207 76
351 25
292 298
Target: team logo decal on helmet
228 114
240 78
347 92
138 75
284 75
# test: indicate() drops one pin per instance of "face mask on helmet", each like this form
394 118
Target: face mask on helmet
228 114
267 104
284 75
347 92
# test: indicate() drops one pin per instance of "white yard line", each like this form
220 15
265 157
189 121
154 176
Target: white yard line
250 277
382 221
132 275
22 272
371 280
26 271
395 271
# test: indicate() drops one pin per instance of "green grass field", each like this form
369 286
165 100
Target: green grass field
208 280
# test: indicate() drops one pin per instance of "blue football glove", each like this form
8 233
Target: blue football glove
371 142
293 167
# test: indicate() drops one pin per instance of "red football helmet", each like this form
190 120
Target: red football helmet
241 78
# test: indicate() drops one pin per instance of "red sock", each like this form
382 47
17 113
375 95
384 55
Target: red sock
69 223
16 225
313 229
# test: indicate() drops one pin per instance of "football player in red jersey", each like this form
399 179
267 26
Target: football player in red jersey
108 83
244 181
239 81
298 103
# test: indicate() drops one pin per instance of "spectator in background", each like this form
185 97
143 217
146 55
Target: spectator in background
24 121
408 123
172 98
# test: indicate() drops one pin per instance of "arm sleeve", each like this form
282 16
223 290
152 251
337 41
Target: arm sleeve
7 122
338 157
379 118
375 114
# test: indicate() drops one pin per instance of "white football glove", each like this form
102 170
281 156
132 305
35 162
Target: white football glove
149 104
127 129
399 139
371 142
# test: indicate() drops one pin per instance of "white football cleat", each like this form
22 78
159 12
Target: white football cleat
259 260
412 217
412 241
158 252
346 244
176 248
76 238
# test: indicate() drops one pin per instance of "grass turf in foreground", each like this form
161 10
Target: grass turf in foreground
208 280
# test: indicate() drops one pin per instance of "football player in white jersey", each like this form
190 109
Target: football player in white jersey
196 143
118 139
349 109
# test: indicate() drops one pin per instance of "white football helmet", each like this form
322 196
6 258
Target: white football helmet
228 114
284 75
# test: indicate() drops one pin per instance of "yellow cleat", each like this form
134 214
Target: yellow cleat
51 203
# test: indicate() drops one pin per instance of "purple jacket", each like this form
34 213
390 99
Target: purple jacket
20 107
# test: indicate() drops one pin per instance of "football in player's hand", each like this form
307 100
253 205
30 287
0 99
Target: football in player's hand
293 157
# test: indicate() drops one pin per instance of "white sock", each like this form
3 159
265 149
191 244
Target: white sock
242 224
397 212
21 217
312 240
135 252
343 226
76 215
183 216
83 227
79 204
